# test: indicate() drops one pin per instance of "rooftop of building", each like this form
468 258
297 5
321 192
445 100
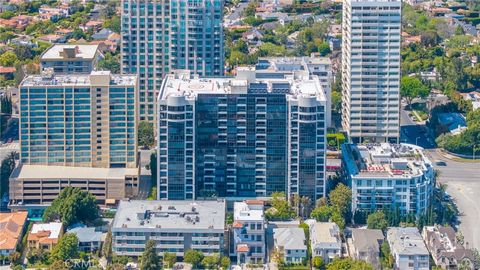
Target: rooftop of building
406 241
290 63
48 78
384 160
367 239
170 215
325 233
184 83
442 242
27 171
248 210
290 238
65 51
11 227
46 233
86 234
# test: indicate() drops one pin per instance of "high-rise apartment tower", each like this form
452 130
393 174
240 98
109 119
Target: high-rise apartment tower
371 69
159 36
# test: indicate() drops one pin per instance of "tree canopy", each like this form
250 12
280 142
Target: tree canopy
67 248
377 220
412 87
193 257
348 264
72 205
146 135
150 259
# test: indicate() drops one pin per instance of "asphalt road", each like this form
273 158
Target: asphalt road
145 175
463 184
414 133
462 178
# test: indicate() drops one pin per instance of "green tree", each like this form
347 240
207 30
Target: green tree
193 257
322 213
58 265
225 263
324 49
6 168
169 259
67 248
341 199
114 24
412 87
386 255
72 205
317 262
110 62
348 264
280 209
211 262
377 220
145 134
150 259
8 59
107 246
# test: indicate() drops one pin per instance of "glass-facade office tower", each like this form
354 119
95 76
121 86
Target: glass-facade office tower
241 137
79 120
371 70
159 36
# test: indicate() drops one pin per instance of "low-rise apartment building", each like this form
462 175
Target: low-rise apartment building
45 235
325 241
71 59
249 232
408 249
387 176
446 251
175 226
365 245
290 242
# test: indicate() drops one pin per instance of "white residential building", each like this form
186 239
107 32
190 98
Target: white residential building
408 249
175 226
290 242
248 231
387 176
371 70
325 241
271 67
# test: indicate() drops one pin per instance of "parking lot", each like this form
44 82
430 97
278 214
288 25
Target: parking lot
463 184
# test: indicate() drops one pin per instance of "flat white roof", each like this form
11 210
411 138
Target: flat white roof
325 232
170 215
183 83
245 211
26 171
54 228
84 52
70 80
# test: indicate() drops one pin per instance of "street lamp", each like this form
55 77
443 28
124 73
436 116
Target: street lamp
473 151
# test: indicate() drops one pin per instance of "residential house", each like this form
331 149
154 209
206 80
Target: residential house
408 249
325 241
8 73
45 235
446 251
248 231
52 38
11 230
290 242
365 245
102 34
92 25
89 239
474 97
